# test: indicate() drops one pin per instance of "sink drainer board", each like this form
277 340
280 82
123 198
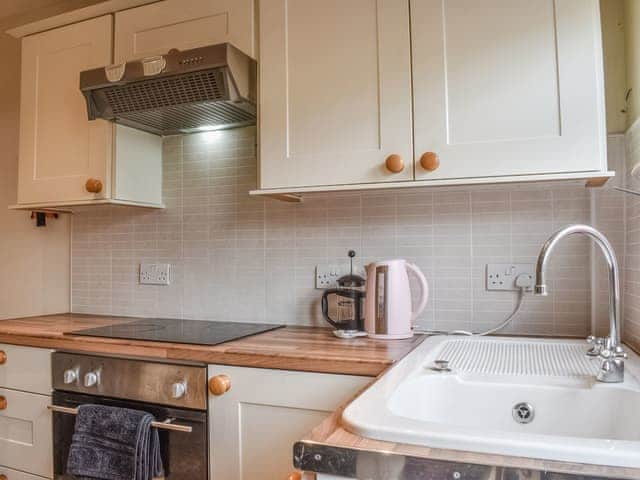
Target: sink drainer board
498 357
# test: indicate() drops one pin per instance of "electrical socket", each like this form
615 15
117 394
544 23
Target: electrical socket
328 275
502 276
155 273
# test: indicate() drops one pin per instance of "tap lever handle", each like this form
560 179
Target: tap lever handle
598 345
593 340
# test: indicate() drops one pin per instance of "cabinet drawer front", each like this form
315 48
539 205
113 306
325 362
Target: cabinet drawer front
25 433
26 368
16 475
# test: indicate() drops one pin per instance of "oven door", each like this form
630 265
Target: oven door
184 455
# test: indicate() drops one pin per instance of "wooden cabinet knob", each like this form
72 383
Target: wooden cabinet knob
219 385
3 360
394 163
430 161
3 403
293 476
93 185
3 477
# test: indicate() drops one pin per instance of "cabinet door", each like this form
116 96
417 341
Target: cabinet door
159 27
60 149
335 92
254 425
25 433
508 87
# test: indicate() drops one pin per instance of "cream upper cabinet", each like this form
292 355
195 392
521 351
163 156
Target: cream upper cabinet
254 425
159 27
507 87
335 92
59 148
496 91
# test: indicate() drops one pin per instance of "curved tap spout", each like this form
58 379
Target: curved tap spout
613 354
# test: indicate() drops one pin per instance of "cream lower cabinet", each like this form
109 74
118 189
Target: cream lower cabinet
26 445
17 475
254 425
496 91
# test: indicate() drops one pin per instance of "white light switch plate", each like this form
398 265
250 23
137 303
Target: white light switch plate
327 275
502 276
155 273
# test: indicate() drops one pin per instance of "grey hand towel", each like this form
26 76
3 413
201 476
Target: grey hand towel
113 443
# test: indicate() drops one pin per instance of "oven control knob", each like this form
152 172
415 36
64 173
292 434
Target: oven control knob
178 389
70 376
91 379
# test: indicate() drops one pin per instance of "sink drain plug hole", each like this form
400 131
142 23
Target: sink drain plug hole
523 412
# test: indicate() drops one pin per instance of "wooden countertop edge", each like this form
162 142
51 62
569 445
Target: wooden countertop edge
305 363
274 350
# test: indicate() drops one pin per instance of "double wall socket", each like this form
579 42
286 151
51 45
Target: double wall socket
155 273
502 276
328 275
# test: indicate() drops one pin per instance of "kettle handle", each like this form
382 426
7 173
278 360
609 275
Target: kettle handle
424 288
325 306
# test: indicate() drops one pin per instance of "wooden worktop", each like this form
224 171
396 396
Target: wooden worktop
290 348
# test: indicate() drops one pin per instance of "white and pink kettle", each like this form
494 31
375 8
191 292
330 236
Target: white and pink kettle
388 308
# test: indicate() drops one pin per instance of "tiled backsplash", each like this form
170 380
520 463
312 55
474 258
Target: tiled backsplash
252 259
631 298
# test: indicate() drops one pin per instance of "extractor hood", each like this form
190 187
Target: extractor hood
207 88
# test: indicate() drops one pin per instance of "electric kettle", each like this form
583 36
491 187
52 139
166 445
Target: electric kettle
388 310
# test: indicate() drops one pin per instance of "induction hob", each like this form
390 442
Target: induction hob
195 332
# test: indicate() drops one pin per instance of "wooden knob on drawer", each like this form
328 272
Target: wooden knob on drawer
430 161
3 403
293 476
3 360
219 385
394 163
3 477
93 185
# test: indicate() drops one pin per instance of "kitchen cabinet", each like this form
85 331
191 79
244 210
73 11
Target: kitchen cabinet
25 432
159 27
335 92
25 421
65 159
25 368
16 475
493 91
507 87
254 424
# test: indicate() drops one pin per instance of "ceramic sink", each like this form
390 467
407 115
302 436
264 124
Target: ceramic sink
524 397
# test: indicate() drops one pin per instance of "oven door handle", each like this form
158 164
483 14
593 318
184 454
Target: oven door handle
166 425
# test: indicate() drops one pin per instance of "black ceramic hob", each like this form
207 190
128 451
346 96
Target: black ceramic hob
194 332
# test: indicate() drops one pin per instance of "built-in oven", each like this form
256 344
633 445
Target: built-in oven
174 394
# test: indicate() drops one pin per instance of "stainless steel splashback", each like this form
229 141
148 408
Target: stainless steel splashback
205 88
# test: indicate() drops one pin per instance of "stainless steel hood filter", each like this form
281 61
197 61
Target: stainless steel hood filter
194 90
